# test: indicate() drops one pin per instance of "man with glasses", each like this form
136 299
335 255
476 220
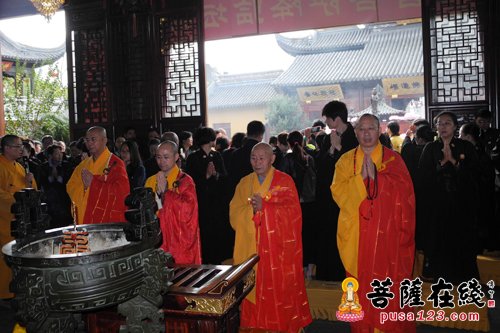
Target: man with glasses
13 178
99 184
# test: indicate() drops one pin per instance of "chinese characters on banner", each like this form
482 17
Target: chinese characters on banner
289 15
469 292
232 18
413 85
320 93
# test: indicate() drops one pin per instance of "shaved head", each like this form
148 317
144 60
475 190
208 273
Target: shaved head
167 155
262 158
170 145
265 147
170 136
98 130
96 140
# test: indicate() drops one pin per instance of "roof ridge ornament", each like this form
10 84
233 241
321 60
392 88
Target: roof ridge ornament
47 7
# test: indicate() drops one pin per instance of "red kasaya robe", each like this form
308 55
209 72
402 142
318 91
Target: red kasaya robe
104 200
376 237
179 221
279 300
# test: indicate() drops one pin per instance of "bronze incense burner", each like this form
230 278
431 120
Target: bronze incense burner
121 265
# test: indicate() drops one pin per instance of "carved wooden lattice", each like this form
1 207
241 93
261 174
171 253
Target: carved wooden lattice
457 52
180 87
132 94
89 76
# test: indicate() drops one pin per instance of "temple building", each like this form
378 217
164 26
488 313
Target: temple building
377 69
28 56
235 100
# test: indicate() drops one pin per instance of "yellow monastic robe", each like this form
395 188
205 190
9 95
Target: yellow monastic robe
171 178
75 187
348 177
12 179
241 218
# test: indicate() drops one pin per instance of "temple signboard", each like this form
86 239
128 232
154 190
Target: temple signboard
410 85
226 18
320 93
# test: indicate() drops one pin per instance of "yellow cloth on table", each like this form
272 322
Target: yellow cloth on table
324 298
489 268
488 265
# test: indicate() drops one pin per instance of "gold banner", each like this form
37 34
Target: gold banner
320 93
412 85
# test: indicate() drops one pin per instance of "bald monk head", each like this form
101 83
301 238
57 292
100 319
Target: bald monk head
262 158
170 136
96 140
368 132
167 155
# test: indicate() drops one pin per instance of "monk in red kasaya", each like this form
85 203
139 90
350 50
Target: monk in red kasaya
99 184
266 216
178 206
376 227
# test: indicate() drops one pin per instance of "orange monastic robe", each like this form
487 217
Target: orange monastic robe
279 300
12 180
376 236
104 200
179 217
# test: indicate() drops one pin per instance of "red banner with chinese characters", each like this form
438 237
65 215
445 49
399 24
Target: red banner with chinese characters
226 18
290 15
229 18
393 10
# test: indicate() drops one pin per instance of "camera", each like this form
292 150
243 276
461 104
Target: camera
315 129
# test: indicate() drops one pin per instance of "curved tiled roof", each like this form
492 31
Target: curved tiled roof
351 54
13 51
323 41
382 109
242 90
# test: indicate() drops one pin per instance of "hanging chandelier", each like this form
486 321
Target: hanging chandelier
47 7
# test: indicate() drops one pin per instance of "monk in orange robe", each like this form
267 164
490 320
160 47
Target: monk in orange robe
266 216
178 206
13 178
99 184
376 227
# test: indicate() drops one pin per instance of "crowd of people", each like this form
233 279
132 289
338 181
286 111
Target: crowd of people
311 203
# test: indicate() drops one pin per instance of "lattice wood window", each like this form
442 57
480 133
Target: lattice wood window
89 76
180 86
457 52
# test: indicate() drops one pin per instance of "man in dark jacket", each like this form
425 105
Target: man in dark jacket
240 159
340 140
